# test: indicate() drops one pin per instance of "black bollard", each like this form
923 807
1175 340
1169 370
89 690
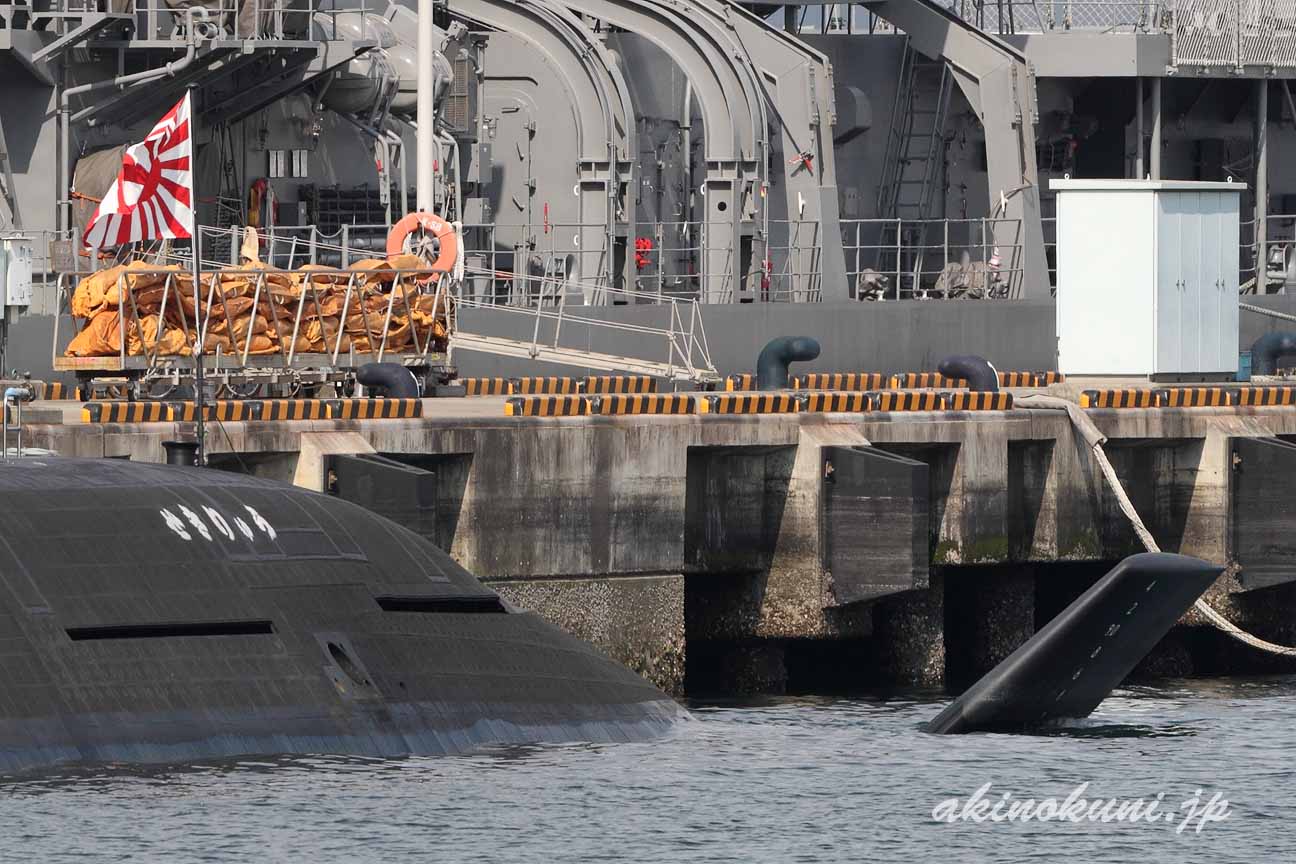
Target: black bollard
977 371
394 380
181 453
772 365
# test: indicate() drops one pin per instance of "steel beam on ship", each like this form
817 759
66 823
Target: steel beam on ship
1000 86
729 117
599 100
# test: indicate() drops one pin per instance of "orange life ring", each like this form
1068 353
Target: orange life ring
434 225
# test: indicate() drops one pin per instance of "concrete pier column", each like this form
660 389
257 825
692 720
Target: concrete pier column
989 613
974 528
637 621
909 635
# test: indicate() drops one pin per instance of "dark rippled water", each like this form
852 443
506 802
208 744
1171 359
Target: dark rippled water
786 780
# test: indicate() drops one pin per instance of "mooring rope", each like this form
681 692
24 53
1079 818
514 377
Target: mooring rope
1260 310
1095 439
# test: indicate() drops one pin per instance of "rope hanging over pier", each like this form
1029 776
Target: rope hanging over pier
1095 439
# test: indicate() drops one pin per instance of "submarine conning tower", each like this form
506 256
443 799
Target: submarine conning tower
156 614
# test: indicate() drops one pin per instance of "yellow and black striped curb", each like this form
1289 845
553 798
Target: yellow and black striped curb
1132 397
644 403
56 390
1030 379
240 410
840 381
740 382
619 384
547 406
125 412
546 386
825 401
374 409
923 380
1266 396
752 403
905 400
294 409
1196 397
967 400
224 410
486 386
1018 379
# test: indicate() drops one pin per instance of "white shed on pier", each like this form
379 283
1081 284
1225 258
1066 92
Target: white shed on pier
1147 278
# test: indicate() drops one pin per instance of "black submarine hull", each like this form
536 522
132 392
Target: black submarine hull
153 614
1066 669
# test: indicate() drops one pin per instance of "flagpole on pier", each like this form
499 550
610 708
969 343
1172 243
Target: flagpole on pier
195 243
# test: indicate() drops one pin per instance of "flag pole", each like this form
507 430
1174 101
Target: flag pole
195 243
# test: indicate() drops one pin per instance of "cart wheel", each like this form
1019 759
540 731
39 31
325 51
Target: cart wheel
156 390
304 391
238 391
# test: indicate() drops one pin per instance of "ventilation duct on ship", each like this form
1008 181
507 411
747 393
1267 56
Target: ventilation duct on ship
854 114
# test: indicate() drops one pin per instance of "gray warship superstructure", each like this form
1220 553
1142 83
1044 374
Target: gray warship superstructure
778 165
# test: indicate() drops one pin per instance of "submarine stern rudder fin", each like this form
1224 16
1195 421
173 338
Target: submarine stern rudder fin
1073 663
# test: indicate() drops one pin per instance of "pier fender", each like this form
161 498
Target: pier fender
772 364
874 515
311 471
1266 351
1066 669
183 453
394 380
981 375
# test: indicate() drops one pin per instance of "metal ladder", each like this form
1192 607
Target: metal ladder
14 397
912 166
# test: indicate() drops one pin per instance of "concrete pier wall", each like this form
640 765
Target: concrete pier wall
674 540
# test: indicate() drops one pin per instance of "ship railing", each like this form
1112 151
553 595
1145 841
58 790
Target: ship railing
518 264
894 259
237 19
685 260
29 16
1112 16
290 246
543 282
213 311
1232 34
1002 18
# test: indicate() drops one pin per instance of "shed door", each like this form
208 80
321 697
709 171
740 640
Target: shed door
1210 258
1169 295
1227 218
